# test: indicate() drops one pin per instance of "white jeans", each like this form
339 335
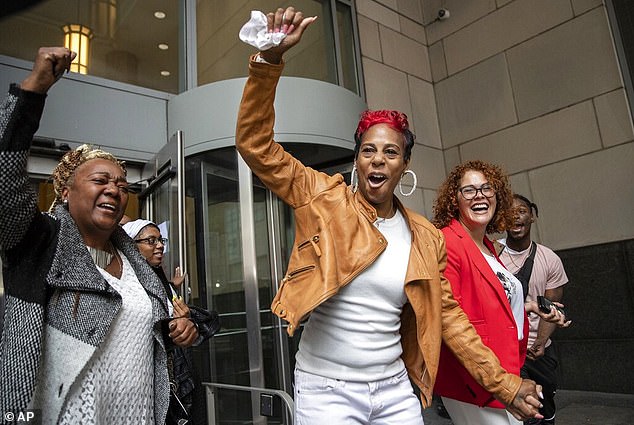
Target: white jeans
326 401
469 414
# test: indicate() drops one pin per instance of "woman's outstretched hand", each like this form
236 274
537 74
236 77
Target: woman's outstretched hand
179 277
289 21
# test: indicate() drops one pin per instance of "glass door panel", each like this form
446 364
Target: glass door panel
269 259
223 267
213 188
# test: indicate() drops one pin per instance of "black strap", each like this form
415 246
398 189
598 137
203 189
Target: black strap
524 273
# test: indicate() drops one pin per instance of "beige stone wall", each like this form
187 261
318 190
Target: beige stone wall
533 85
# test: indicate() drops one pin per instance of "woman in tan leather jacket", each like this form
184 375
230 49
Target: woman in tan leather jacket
366 269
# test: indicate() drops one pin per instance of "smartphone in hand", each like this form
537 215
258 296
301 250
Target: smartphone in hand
545 305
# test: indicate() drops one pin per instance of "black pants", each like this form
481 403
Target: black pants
544 372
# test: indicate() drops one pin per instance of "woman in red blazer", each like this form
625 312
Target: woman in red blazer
475 200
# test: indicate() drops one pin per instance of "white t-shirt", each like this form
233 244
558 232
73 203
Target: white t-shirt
513 289
548 273
354 335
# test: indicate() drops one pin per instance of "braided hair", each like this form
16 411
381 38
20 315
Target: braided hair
528 203
65 171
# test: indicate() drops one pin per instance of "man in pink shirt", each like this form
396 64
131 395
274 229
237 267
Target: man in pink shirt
542 273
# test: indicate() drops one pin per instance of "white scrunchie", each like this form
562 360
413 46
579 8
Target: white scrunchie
256 34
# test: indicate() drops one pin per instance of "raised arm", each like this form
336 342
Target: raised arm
289 21
50 64
283 174
20 115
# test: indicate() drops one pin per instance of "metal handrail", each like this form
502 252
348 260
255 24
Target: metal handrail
211 409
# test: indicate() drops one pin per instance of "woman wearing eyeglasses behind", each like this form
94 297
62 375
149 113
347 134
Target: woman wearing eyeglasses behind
151 245
475 200
185 400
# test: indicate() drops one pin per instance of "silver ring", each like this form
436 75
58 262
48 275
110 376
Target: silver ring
284 17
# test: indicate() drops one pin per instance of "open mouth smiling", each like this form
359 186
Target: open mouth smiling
376 179
480 207
107 206
517 227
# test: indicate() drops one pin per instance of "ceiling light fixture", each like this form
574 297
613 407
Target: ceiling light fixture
159 14
77 38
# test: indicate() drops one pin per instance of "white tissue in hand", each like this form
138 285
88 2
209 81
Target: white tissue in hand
255 32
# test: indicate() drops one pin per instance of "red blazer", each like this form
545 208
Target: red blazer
480 294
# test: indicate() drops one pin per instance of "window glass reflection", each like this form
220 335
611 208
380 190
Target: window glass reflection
137 42
346 47
124 40
221 54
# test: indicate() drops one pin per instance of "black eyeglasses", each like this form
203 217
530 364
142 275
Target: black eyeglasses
151 240
469 192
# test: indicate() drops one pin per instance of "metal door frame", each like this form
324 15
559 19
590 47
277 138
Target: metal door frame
168 167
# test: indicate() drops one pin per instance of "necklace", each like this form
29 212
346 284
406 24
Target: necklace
381 220
519 254
511 258
101 257
120 264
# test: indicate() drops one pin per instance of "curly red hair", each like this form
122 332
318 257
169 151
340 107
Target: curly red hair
395 119
446 204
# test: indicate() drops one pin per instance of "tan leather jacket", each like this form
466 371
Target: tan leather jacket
335 240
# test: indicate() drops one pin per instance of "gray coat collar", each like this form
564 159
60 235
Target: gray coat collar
74 269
